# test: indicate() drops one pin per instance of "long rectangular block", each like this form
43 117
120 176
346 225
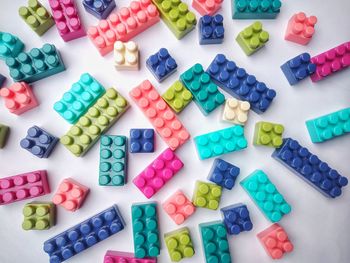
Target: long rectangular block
255 9
4 133
10 45
179 244
117 256
38 216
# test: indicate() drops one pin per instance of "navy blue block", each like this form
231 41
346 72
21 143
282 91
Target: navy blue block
99 8
223 173
211 30
236 219
161 64
2 80
141 140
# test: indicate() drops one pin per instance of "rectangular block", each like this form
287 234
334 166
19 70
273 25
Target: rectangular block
142 140
255 9
2 80
161 64
4 133
177 96
211 29
99 8
126 56
236 218
117 256
268 134
223 173
10 45
179 244
38 216
206 195
300 28
236 111
207 7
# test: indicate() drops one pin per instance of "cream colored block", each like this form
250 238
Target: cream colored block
236 111
126 55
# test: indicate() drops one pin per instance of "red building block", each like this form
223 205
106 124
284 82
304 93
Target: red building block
300 28
125 257
207 7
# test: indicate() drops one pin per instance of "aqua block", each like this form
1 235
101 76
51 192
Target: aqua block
10 45
255 9
179 244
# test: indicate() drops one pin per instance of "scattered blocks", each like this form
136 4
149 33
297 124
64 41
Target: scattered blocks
116 256
207 195
207 7
268 134
4 133
99 8
2 80
38 216
236 111
179 244
126 56
300 28
142 141
223 173
211 29
236 219
161 64
177 96
10 45
255 9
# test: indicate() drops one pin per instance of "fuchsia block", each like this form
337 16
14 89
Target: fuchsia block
207 7
23 186
125 257
158 173
300 28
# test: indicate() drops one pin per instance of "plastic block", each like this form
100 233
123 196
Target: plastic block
310 168
177 96
161 64
179 244
2 80
268 134
300 28
142 140
84 235
275 241
211 29
113 160
223 173
160 115
70 194
36 17
207 7
158 173
81 96
207 195
126 56
23 186
145 228
4 133
176 16
236 219
125 257
236 111
239 84
19 98
255 9
178 207
99 118
99 8
266 196
220 142
38 216
10 45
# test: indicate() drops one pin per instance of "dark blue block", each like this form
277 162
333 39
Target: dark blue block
223 173
211 30
2 80
99 8
141 140
161 64
236 219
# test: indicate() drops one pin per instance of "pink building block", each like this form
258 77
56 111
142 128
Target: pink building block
124 257
23 186
178 207
158 173
207 7
275 241
123 25
300 28
331 61
160 115
70 194
19 98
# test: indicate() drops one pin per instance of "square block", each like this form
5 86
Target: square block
268 134
211 29
117 256
2 80
161 64
177 96
206 195
255 9
236 218
179 244
4 133
142 141
207 7
10 45
126 56
38 216
300 28
236 111
99 8
223 173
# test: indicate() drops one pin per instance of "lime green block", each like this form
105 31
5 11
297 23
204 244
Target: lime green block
38 216
177 96
179 244
207 195
268 134
4 132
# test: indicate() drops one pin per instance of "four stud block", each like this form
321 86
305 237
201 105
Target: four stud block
300 28
268 134
142 141
223 173
161 64
207 195
236 218
126 56
211 29
177 96
38 216
236 111
179 244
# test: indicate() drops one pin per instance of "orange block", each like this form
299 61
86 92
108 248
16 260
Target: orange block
207 7
300 28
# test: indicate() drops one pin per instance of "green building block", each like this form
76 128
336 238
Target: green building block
38 216
207 195
255 9
179 244
329 126
266 196
4 133
177 96
205 92
10 45
176 16
268 134
252 38
145 230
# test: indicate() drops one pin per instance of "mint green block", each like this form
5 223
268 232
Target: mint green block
255 9
10 45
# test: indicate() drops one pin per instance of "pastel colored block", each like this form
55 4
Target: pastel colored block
4 133
310 168
255 9
158 173
236 111
268 134
236 218
161 64
117 256
2 80
84 235
142 141
207 7
223 173
99 8
99 118
126 56
207 195
177 96
38 216
266 196
10 45
23 186
220 142
179 244
163 119
211 29
300 28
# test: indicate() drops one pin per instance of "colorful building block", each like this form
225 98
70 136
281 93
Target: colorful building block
125 257
268 134
255 9
38 216
99 118
160 115
10 45
206 195
142 141
300 28
161 64
158 173
220 142
211 29
84 235
310 168
266 196
23 186
236 219
179 244
4 133
126 56
207 7
113 160
81 96
239 84
236 111
275 241
145 228
223 173
2 80
178 207
177 96
99 8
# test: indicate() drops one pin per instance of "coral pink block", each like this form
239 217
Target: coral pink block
178 207
70 194
23 186
158 173
275 241
207 7
124 257
123 25
160 115
331 61
300 28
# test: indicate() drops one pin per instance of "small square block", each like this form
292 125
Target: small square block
126 56
298 68
207 7
179 244
99 8
255 9
38 216
125 257
207 195
236 111
177 96
142 141
4 133
161 64
10 45
236 218
268 134
211 30
300 28
223 173
2 80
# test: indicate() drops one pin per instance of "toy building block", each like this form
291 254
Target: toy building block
4 133
178 207
36 17
99 8
211 29
117 256
310 168
84 235
23 186
160 115
268 134
255 9
220 142
81 96
113 160
145 228
126 56
223 173
2 80
38 216
239 84
158 173
275 241
207 195
99 118
236 219
266 196
300 28
142 140
161 64
207 7
10 45
179 244
177 96
236 111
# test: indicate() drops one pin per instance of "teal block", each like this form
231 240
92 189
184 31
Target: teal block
10 45
255 9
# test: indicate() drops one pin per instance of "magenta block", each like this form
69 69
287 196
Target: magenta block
125 257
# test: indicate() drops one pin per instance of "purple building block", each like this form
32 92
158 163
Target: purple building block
99 8
141 140
2 80
211 30
236 219
223 173
161 64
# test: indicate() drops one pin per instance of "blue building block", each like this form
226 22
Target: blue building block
236 219
10 45
161 64
141 140
99 8
255 9
239 84
298 68
223 173
84 235
310 168
211 30
2 80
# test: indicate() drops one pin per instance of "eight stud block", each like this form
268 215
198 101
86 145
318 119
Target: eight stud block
161 64
4 133
117 256
38 216
211 29
236 111
179 244
268 134
177 96
10 45
300 28
223 173
142 141
255 9
207 195
236 218
126 56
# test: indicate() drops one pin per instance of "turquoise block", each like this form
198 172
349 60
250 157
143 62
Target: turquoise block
10 45
255 9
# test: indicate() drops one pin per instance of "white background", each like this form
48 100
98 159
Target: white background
319 227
